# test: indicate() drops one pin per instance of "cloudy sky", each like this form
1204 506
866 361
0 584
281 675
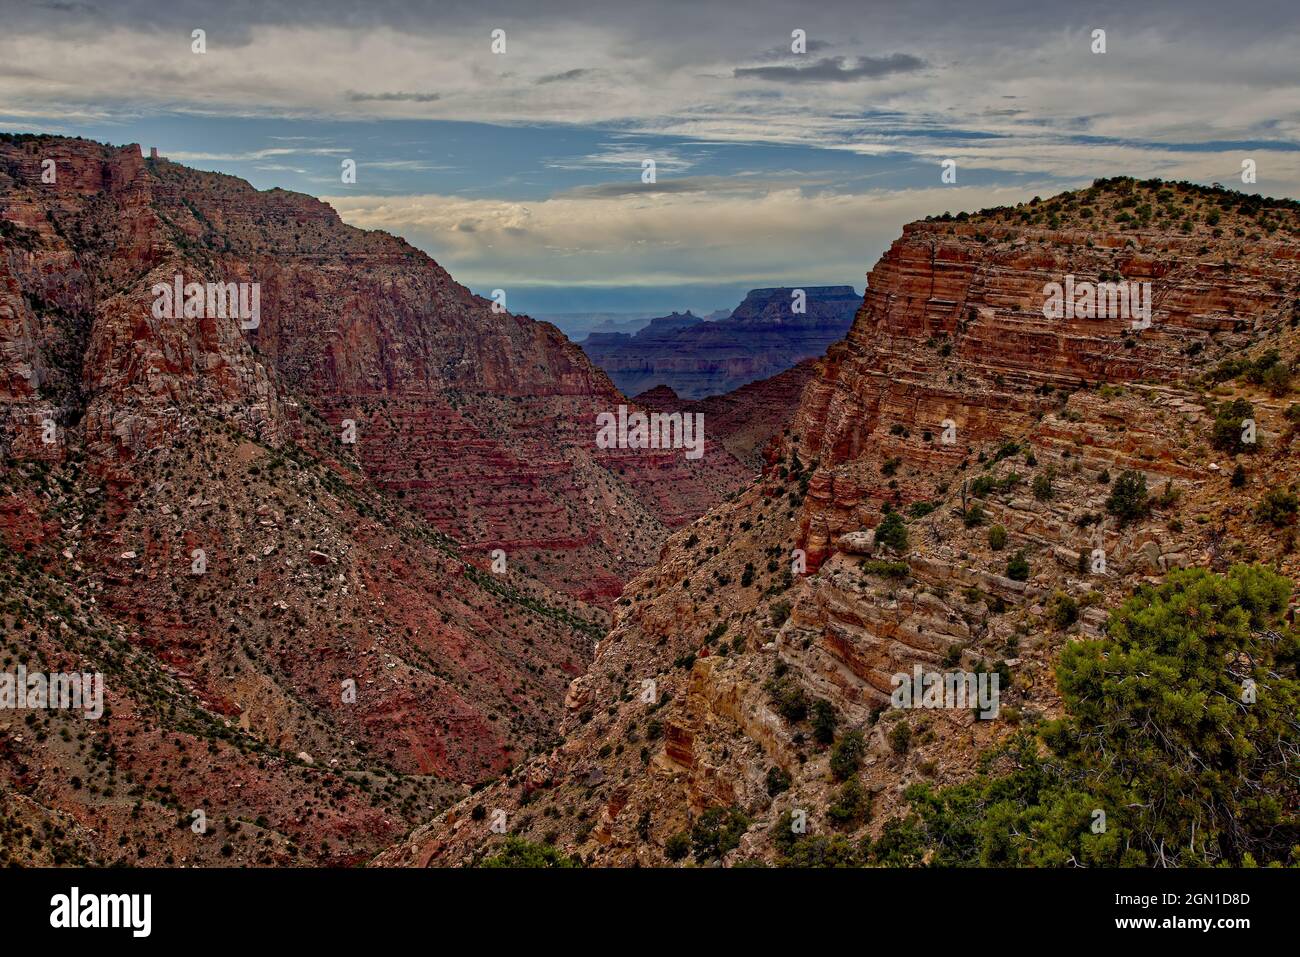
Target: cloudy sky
522 169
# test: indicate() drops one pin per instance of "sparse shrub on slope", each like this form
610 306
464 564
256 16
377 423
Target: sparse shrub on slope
517 852
892 533
717 831
846 756
1129 500
1278 507
1229 425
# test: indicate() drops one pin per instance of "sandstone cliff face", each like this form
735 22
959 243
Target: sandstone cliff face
179 508
135 446
1046 415
952 329
484 422
760 339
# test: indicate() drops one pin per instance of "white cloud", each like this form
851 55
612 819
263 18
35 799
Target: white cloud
658 238
625 157
183 156
587 71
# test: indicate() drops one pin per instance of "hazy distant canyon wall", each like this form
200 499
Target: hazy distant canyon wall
769 332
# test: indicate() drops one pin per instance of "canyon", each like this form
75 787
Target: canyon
773 625
343 474
769 332
362 584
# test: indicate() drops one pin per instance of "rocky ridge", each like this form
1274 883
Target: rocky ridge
303 636
751 660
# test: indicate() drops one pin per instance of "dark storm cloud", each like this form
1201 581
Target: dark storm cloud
666 18
782 52
394 97
59 7
561 77
835 69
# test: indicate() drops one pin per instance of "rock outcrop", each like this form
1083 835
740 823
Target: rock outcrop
276 533
998 436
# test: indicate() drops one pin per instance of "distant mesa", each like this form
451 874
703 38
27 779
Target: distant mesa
577 325
653 331
696 357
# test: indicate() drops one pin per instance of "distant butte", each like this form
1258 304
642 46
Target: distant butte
761 337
